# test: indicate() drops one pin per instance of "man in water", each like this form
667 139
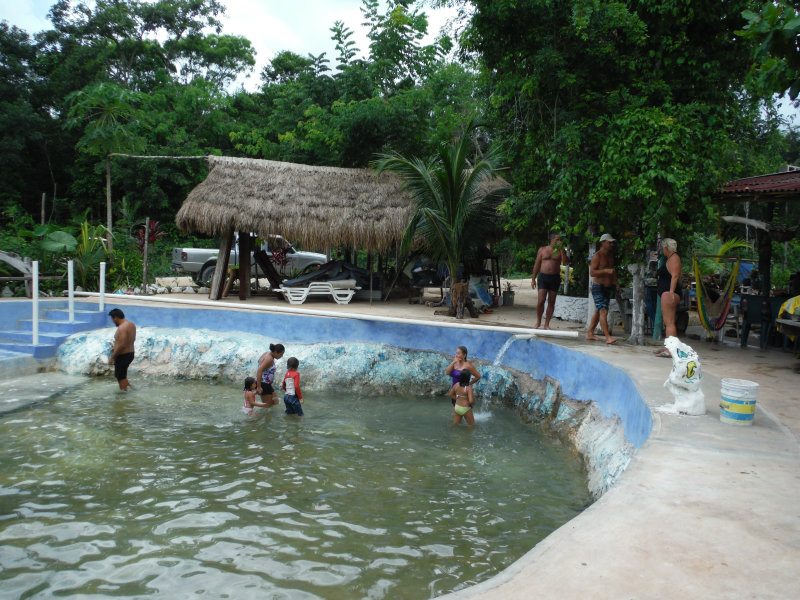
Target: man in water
547 277
122 352
604 281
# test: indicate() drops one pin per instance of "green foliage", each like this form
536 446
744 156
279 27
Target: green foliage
616 115
452 203
711 249
776 56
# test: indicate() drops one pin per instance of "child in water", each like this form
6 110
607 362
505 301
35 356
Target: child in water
250 402
461 394
291 385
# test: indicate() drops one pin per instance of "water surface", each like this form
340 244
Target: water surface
170 491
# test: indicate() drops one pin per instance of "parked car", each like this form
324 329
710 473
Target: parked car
200 263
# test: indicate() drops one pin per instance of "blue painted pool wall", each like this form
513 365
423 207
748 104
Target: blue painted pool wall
587 378
582 377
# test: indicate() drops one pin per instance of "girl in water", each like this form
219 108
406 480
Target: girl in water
250 401
265 375
459 365
461 394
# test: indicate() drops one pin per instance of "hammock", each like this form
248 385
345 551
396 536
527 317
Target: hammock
714 314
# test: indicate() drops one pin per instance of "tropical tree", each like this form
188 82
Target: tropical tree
452 193
108 113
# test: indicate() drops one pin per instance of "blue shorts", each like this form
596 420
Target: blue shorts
293 406
602 295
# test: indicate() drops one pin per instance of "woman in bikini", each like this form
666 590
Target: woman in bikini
460 365
461 394
265 375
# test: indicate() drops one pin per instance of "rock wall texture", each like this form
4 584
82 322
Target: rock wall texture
378 368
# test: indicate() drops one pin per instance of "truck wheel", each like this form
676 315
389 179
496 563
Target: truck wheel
206 274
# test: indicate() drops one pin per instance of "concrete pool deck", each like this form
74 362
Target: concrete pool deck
704 508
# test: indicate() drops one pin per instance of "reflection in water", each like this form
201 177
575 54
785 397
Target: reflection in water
170 490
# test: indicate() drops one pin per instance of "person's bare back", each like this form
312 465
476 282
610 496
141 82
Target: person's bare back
124 338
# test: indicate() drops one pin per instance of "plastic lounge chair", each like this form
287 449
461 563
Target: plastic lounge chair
341 291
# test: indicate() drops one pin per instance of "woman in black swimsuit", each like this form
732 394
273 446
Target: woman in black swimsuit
668 286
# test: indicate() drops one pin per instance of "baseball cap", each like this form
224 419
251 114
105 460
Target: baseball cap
606 237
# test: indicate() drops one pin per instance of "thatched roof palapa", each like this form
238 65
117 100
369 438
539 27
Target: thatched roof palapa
319 207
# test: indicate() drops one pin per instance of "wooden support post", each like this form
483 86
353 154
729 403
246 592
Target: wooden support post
223 258
144 255
244 265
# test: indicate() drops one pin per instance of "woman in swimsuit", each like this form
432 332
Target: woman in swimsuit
461 394
668 285
461 364
265 375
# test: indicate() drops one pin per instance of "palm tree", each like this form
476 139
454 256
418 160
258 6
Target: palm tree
107 114
452 197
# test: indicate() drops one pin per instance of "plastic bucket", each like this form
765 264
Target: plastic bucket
738 403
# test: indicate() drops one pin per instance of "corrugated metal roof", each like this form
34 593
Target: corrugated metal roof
764 187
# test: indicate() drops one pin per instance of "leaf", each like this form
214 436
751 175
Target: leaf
59 241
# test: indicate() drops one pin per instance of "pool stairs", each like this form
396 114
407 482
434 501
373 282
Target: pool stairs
54 328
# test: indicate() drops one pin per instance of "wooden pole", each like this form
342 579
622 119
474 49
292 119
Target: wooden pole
221 271
109 224
44 202
244 265
144 257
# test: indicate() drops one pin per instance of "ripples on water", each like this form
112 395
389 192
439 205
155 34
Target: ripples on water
171 491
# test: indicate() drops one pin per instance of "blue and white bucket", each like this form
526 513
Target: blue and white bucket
738 403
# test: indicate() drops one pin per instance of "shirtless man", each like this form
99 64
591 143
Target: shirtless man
547 277
604 281
122 352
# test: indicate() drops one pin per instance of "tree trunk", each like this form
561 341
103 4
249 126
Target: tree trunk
637 316
109 224
221 271
590 305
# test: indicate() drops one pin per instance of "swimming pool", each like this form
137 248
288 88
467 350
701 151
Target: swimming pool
589 406
170 490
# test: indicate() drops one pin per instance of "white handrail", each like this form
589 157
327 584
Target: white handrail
35 303
536 333
71 290
102 286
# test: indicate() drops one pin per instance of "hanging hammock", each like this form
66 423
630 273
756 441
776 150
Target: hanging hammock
714 314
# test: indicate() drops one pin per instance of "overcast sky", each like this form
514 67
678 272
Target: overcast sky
302 26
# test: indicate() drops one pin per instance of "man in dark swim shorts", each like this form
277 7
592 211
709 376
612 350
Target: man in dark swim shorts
546 276
604 281
122 352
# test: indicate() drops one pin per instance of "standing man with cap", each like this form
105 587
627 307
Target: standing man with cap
546 276
604 281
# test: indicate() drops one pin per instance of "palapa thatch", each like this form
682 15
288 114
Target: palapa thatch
318 207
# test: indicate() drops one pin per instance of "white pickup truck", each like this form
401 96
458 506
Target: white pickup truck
200 263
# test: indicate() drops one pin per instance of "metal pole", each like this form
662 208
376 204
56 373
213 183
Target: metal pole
102 286
35 303
144 267
71 290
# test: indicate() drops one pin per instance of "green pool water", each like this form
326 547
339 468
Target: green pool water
170 491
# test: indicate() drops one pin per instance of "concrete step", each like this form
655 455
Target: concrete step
26 337
43 350
51 326
93 317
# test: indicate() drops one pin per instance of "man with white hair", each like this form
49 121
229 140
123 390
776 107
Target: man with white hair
604 281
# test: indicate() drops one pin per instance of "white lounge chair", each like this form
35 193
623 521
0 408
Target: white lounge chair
341 291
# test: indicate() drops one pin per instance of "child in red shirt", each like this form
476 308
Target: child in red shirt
291 385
